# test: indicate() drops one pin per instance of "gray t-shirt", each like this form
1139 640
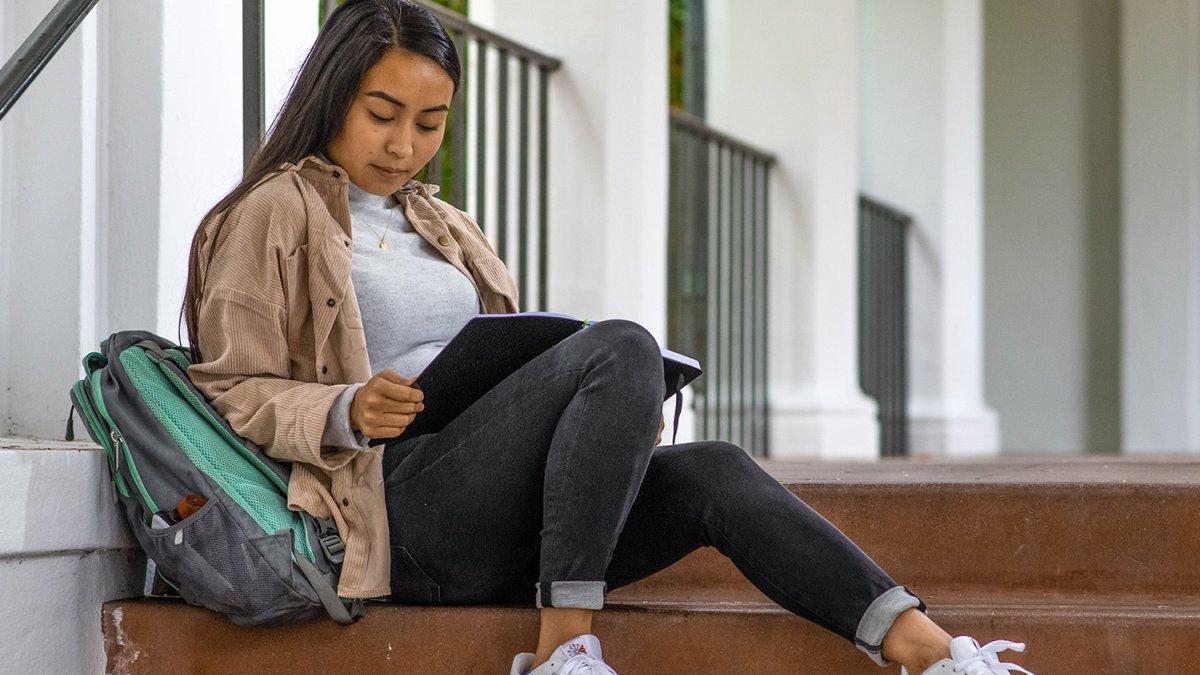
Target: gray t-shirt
412 300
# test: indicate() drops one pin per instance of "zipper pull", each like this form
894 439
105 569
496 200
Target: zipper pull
115 436
70 435
116 439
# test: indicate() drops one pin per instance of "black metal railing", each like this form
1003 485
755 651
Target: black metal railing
254 107
23 67
882 318
518 69
717 276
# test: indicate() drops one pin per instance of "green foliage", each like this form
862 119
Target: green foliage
459 6
677 12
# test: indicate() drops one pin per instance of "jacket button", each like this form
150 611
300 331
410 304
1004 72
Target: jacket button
345 242
324 369
330 302
337 174
444 240
345 502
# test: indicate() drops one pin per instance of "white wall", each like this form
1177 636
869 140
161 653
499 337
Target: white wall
920 128
1160 181
1052 199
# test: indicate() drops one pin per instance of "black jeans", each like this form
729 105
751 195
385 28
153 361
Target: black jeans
549 489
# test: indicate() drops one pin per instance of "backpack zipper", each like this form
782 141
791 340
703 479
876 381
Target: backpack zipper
116 439
119 439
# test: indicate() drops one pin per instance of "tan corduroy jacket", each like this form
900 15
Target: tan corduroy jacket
281 336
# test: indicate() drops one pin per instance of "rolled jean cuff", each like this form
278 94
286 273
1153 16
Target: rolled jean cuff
579 594
878 619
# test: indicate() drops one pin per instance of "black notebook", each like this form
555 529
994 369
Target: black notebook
490 347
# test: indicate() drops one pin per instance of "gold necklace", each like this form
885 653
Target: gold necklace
383 245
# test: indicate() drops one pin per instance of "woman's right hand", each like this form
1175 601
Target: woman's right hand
385 405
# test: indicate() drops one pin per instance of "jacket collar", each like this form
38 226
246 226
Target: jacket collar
319 166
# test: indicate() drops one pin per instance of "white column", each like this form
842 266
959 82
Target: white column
784 77
174 124
201 112
110 159
47 228
1160 182
128 241
7 45
290 29
607 169
921 118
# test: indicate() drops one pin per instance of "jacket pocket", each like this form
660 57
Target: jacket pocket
410 583
496 281
295 285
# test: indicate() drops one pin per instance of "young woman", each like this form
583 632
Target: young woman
550 488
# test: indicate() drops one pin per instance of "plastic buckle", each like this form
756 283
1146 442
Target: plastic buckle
334 547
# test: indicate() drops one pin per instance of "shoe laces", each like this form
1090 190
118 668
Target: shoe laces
585 664
985 661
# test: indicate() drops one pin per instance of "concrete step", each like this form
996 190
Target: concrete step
644 635
1090 561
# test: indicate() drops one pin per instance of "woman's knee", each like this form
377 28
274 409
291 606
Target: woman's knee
625 336
707 465
721 454
731 470
634 348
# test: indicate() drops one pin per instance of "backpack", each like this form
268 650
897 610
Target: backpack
243 553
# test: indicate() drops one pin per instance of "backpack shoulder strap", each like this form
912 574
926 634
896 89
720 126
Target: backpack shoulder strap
342 611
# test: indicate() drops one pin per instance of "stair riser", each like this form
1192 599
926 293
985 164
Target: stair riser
1023 537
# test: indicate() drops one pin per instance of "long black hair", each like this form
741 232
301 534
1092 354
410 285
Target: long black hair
354 37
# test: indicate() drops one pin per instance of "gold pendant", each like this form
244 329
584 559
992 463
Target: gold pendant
383 244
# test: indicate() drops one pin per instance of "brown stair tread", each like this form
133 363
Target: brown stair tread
1084 471
144 636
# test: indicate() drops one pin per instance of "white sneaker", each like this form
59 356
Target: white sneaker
578 656
966 656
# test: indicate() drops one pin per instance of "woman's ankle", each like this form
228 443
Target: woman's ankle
539 659
560 624
915 642
926 656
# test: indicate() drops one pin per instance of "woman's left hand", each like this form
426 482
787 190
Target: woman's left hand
662 422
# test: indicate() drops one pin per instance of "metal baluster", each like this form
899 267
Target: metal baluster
481 99
543 225
523 181
502 157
